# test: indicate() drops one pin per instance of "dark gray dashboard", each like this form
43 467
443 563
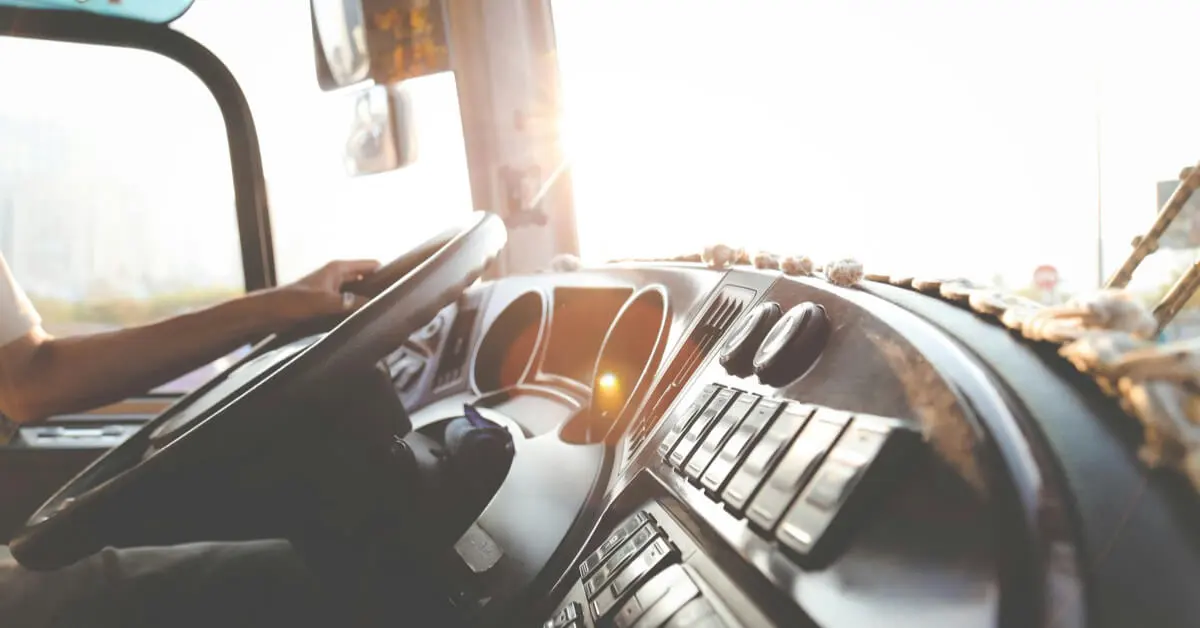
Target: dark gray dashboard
894 478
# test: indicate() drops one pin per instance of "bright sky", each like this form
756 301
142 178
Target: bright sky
944 137
941 137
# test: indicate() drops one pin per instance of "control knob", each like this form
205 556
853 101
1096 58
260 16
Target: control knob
737 356
792 345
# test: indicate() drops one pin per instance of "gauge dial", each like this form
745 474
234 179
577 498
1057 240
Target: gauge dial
792 345
628 359
506 354
737 356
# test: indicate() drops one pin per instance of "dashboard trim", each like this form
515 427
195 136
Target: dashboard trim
1062 586
1122 515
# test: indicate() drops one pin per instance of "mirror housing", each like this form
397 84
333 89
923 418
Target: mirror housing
385 41
383 133
339 41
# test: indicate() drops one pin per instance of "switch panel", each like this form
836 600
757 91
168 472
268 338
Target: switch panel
569 617
670 589
614 540
630 577
618 558
796 467
699 428
859 450
764 456
798 473
683 419
739 444
720 431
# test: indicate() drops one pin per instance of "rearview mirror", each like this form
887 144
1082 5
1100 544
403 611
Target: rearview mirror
386 41
383 134
339 37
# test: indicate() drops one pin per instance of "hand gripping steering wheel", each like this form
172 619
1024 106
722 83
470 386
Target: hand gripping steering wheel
219 432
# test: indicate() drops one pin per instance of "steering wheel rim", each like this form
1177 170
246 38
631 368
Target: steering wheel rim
73 523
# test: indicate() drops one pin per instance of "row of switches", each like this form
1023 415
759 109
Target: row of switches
785 466
671 599
634 579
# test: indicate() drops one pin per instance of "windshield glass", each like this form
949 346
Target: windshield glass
156 11
979 140
318 211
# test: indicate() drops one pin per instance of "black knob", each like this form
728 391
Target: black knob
792 345
738 354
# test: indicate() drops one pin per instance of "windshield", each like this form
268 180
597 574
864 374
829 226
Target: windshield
980 140
318 212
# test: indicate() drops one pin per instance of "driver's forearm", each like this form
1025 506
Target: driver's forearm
78 373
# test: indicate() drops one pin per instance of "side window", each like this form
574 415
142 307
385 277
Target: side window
116 195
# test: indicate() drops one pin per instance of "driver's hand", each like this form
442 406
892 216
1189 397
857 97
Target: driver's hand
320 292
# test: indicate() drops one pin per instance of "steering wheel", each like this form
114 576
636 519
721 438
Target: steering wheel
234 419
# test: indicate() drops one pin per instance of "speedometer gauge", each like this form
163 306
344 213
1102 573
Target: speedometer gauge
737 356
792 345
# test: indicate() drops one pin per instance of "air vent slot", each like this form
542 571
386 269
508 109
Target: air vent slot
700 343
454 355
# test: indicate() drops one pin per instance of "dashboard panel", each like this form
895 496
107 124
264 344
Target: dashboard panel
785 452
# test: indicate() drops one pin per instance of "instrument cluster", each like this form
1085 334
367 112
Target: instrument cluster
602 344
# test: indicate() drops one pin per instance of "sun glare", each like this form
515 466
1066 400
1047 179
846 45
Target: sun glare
607 382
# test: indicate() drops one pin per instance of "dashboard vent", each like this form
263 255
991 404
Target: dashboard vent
454 356
725 308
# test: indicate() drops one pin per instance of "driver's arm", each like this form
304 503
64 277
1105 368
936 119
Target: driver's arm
41 376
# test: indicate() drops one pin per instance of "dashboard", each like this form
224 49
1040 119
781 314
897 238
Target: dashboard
743 448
